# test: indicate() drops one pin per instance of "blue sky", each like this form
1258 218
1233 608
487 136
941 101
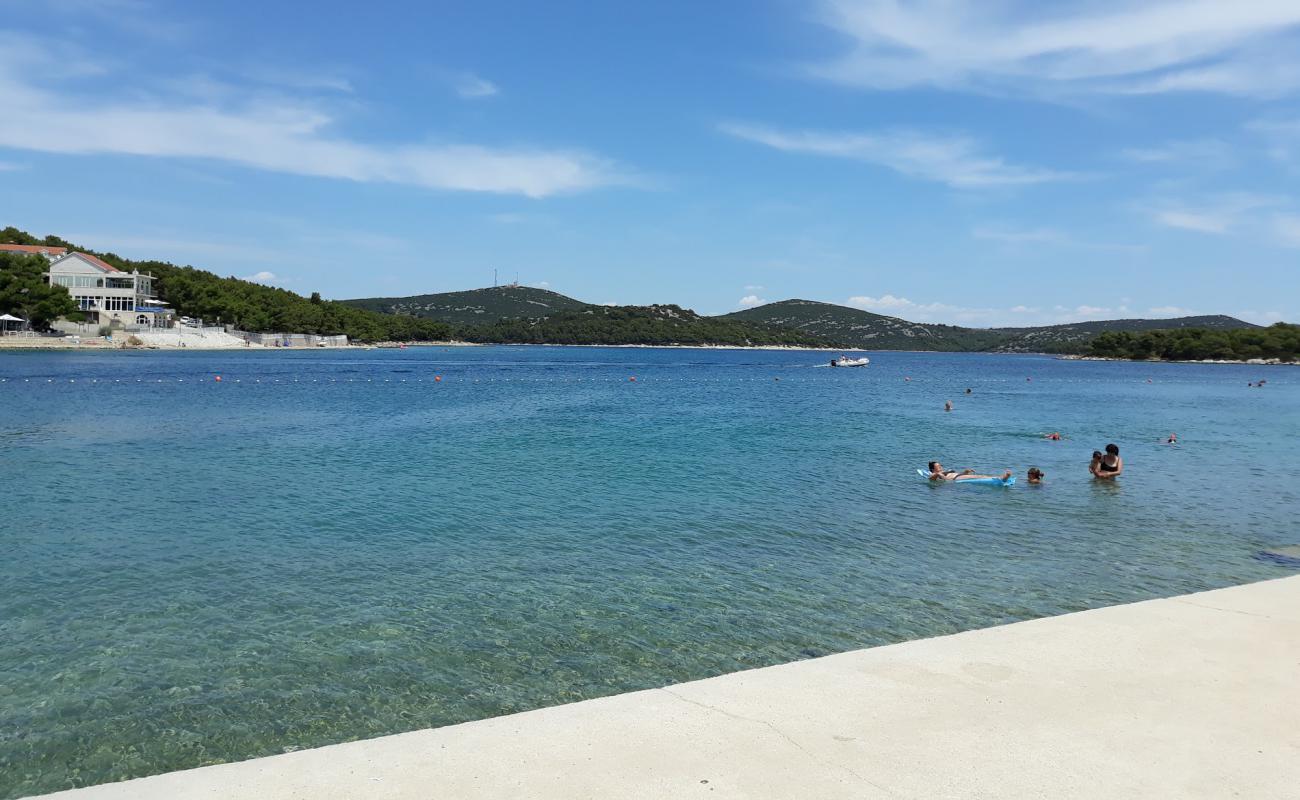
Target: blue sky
983 163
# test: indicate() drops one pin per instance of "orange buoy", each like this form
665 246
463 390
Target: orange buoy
632 379
217 379
437 379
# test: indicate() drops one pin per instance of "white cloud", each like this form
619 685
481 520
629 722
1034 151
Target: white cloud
975 316
260 277
542 285
751 300
1013 237
1244 47
1282 137
1287 228
1260 317
471 86
954 160
1217 214
753 287
1202 153
280 136
1194 221
1006 236
1170 311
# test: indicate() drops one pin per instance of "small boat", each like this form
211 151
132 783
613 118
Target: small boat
850 362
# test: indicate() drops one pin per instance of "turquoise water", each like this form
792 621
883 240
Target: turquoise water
327 546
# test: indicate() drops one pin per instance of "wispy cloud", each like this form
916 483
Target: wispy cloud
471 86
751 300
1015 316
1044 49
260 277
1203 153
1282 137
1219 214
953 160
977 316
10 166
1287 228
753 287
284 136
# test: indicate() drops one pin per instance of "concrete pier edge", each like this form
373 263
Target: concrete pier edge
1186 697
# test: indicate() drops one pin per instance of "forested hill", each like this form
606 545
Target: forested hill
1279 341
1074 337
476 306
253 307
864 329
640 325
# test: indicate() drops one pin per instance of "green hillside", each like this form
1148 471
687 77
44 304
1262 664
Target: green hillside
1279 341
1074 337
252 306
864 329
857 328
475 306
640 325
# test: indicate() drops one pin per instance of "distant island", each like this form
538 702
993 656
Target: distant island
517 314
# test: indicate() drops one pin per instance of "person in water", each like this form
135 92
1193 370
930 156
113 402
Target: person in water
1110 465
1096 462
947 406
1173 439
938 473
1054 436
1035 475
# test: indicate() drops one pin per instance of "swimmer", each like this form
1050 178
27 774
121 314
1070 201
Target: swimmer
947 406
1110 465
1095 463
1173 439
938 473
968 390
1035 475
1054 436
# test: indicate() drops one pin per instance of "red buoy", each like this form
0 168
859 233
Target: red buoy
217 379
632 379
437 379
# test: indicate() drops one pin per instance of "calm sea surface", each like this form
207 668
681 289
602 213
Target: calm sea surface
332 545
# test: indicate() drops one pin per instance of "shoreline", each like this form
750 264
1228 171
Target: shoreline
1175 697
1250 362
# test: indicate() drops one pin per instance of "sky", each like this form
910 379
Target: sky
976 163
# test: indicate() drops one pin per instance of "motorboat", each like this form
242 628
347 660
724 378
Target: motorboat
850 362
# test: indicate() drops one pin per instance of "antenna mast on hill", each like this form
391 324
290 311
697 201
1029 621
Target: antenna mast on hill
494 279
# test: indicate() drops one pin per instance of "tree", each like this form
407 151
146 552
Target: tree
24 293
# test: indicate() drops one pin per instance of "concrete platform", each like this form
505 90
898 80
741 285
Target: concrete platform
1189 697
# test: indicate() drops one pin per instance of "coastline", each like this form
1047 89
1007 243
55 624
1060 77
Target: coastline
1252 362
1162 698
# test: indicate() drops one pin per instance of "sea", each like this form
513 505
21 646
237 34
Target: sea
329 545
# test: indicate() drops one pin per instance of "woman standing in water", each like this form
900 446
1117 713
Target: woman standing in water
1109 466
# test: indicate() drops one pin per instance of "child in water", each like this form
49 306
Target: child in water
1035 475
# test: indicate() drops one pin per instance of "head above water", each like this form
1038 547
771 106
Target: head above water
1035 474
1112 449
934 466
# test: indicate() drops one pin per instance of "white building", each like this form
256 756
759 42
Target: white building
107 295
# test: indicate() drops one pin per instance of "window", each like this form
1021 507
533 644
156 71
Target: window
120 304
141 319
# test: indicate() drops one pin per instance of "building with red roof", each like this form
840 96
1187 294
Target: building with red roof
34 250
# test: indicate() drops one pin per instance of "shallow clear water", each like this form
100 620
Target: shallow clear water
331 545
